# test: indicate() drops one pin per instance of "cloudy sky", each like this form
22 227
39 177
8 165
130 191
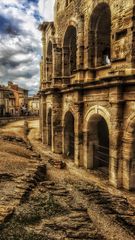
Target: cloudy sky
20 40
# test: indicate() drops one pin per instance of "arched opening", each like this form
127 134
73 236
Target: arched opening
100 36
98 143
49 123
69 135
49 61
69 51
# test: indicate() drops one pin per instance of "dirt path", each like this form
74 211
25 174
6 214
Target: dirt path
17 167
110 212
69 204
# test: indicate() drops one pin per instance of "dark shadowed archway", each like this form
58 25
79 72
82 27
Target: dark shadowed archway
69 135
69 51
98 143
100 36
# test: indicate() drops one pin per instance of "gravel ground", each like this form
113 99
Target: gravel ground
70 203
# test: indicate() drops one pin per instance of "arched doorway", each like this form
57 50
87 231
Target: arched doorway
69 51
100 36
98 143
49 124
49 61
69 135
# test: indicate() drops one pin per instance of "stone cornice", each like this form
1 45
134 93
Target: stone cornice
45 25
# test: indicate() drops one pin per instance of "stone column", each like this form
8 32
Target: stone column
128 162
78 134
49 67
80 43
43 119
44 57
57 65
57 123
66 61
41 72
40 117
80 50
115 171
57 61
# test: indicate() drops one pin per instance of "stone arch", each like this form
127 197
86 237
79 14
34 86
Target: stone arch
70 50
129 154
67 109
49 60
96 110
49 127
99 37
96 138
69 135
72 22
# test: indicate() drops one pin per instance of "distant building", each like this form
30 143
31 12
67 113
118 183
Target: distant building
33 105
21 97
7 102
13 100
2 104
10 103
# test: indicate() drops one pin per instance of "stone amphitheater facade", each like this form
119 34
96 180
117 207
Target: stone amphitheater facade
87 88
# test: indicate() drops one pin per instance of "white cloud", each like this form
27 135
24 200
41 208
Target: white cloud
46 9
20 49
20 40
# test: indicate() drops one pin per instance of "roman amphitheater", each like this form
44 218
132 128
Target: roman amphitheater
87 88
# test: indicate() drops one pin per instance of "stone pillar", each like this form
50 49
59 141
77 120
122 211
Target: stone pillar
40 117
41 72
128 162
49 67
57 123
44 57
43 119
115 170
66 61
80 51
80 43
57 65
78 135
57 61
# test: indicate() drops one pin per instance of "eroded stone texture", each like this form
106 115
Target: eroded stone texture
87 109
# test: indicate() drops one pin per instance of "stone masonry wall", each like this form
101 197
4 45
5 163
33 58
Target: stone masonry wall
99 94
